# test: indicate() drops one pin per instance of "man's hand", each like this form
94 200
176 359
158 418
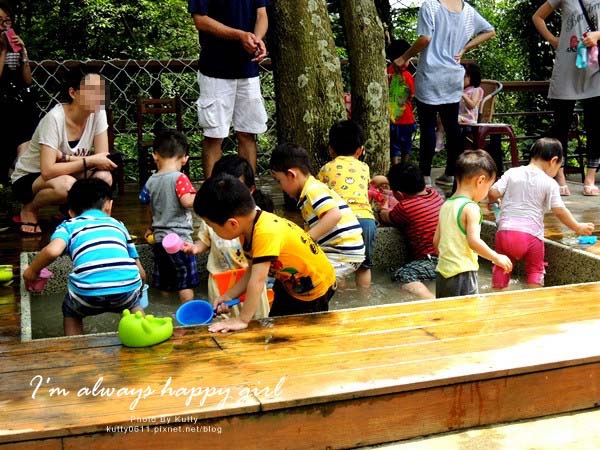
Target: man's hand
261 51
248 41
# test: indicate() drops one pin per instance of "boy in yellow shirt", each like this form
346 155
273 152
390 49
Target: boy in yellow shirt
457 237
349 178
328 219
273 246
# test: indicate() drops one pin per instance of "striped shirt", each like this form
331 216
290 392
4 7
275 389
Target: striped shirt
103 254
418 216
345 238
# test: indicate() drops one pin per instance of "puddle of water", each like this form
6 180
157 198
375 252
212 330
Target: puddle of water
47 319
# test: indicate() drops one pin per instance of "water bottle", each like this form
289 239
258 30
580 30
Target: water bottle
582 57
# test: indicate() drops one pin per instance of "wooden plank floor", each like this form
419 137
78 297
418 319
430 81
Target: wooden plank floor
395 371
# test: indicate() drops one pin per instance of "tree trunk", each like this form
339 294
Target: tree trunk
366 54
308 80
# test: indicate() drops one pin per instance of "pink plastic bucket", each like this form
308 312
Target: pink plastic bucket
39 284
172 243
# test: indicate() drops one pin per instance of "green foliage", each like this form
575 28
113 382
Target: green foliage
106 29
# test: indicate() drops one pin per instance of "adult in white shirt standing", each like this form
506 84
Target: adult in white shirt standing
70 142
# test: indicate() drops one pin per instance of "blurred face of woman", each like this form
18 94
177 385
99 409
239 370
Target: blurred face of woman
91 94
5 20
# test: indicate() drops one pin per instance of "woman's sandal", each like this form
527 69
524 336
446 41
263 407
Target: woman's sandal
564 190
591 190
36 229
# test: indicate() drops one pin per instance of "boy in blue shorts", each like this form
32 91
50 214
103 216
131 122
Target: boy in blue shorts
349 178
107 274
170 194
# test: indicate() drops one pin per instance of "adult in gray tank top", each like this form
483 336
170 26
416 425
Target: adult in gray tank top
570 83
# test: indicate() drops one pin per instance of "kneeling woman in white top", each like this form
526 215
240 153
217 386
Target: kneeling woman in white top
70 142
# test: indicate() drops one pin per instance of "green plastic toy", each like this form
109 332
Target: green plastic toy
137 330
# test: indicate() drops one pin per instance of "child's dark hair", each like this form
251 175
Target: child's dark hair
406 178
170 143
223 197
345 137
290 156
396 49
89 193
546 149
240 168
474 73
472 163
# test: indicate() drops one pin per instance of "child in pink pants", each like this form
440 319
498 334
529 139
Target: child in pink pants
527 193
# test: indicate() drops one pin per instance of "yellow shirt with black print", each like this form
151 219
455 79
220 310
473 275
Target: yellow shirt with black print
296 260
350 178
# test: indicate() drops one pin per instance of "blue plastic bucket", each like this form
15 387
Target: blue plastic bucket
198 312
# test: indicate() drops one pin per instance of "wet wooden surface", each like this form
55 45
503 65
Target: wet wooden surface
451 359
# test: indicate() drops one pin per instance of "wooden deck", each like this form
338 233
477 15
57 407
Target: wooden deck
336 380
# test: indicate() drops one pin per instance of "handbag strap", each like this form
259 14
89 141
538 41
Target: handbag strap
591 25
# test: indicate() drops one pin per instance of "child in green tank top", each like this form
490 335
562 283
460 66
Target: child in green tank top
457 237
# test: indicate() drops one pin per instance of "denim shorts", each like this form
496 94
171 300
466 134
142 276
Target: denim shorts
369 230
80 306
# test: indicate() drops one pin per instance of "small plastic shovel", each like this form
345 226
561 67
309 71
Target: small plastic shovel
198 312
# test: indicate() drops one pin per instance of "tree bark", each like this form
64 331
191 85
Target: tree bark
307 75
366 51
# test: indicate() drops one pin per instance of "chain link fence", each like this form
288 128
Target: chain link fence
129 80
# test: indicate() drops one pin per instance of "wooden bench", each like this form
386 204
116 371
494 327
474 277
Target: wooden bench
339 379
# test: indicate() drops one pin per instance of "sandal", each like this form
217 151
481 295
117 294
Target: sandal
591 190
36 229
564 190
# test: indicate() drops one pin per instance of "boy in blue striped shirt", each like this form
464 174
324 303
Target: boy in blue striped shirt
107 274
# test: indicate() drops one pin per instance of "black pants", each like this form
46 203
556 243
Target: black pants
427 121
286 305
563 115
